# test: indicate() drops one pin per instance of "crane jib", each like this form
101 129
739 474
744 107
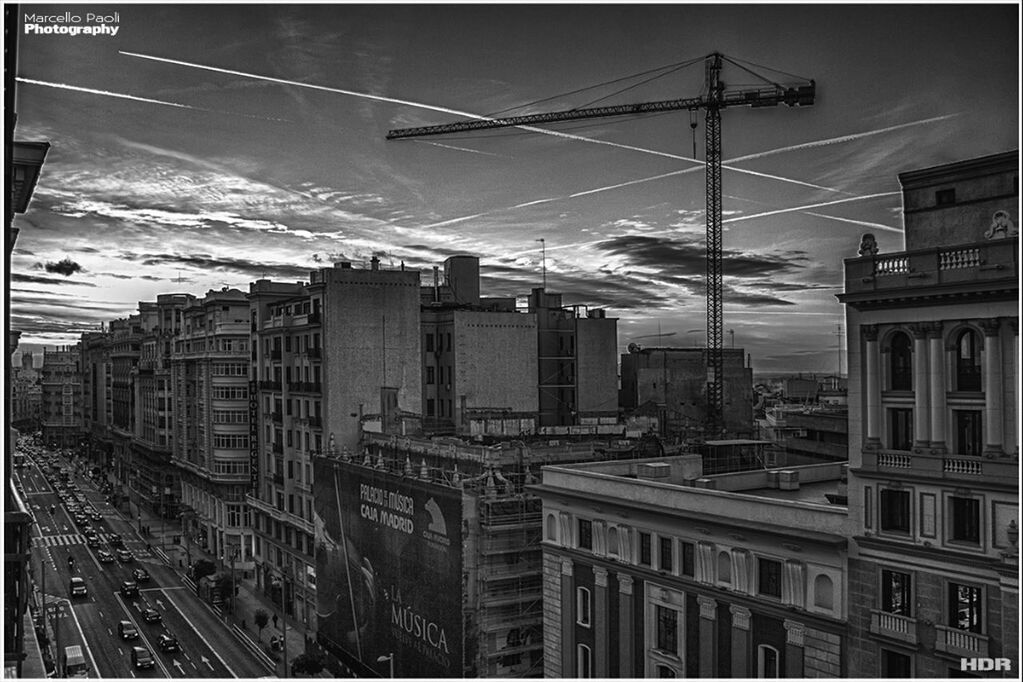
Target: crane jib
802 95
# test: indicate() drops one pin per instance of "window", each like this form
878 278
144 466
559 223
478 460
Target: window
901 363
968 432
582 606
688 559
429 343
896 593
585 534
552 527
430 407
612 541
667 629
584 661
965 610
724 567
767 661
644 549
769 577
895 665
665 554
967 361
965 519
895 510
945 197
900 433
823 592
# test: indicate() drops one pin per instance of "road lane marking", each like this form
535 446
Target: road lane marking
199 634
142 636
82 634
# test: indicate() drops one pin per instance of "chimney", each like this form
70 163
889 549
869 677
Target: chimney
374 263
436 284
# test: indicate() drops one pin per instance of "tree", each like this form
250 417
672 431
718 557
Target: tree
307 664
203 568
262 618
225 585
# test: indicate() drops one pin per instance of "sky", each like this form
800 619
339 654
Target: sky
204 146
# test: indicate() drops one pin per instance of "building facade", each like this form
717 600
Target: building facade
61 396
652 569
933 441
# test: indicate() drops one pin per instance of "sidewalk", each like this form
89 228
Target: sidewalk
246 602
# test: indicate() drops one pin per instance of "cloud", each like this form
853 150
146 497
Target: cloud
17 277
248 268
66 267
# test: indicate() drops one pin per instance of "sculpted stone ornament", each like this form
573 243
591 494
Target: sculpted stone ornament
868 245
1001 226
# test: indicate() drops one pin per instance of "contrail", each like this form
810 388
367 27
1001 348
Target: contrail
147 100
809 206
878 226
455 112
458 149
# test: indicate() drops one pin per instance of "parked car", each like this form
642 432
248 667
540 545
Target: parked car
168 643
129 589
141 657
151 615
127 630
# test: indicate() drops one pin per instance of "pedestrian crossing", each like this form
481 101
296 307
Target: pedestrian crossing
65 539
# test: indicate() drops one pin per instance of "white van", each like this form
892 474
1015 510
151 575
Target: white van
74 662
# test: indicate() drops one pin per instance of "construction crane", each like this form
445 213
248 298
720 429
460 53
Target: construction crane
716 96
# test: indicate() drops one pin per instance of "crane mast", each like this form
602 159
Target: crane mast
715 98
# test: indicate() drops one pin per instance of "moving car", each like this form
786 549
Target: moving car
124 556
141 575
105 557
141 657
116 540
129 589
77 587
168 643
92 540
151 615
74 662
127 630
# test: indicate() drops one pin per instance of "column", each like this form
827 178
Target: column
872 357
740 641
601 622
567 619
626 635
937 380
793 649
708 621
1014 437
921 391
992 383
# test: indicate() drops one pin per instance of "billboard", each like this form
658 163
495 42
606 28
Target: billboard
389 569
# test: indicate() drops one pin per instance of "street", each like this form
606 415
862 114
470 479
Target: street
206 646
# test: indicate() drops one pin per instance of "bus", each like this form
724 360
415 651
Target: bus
74 662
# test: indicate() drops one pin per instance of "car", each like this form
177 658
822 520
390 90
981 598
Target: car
151 615
141 657
129 589
81 519
77 587
127 630
116 540
123 555
105 557
95 515
92 540
168 643
141 575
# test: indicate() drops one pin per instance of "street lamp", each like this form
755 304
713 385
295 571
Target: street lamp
390 659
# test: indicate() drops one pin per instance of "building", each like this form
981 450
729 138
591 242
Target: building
330 355
97 405
428 553
653 569
61 396
479 358
26 396
576 369
672 383
933 440
209 382
806 433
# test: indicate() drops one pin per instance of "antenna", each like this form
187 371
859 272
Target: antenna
838 335
543 260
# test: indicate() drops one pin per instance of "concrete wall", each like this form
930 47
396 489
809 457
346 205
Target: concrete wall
495 361
596 365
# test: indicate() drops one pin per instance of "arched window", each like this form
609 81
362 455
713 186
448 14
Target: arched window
968 361
767 661
823 592
724 568
901 362
552 527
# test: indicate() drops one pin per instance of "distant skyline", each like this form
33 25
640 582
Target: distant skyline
209 146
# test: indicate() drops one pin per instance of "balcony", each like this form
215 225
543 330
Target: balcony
960 642
980 267
893 626
981 471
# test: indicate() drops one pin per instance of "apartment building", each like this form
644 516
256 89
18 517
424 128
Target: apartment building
653 569
933 343
209 382
328 356
61 396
